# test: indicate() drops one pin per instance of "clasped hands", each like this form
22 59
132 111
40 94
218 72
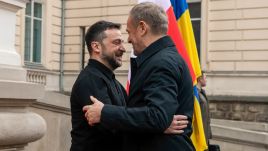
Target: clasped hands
93 116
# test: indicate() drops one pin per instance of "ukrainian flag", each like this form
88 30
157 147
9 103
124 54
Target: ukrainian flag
181 11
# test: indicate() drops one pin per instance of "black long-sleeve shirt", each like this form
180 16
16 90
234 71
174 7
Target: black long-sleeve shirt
99 81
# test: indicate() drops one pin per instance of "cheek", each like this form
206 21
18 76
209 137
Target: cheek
134 39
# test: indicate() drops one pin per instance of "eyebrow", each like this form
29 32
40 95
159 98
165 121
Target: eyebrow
116 40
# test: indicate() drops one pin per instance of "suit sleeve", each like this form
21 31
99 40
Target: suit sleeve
160 91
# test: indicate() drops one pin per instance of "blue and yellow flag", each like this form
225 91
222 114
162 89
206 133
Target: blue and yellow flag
180 8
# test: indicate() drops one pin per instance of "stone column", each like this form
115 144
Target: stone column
18 126
10 60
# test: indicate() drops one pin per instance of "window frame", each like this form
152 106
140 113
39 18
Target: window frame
32 18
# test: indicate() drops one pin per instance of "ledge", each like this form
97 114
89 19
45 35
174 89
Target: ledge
242 132
254 126
54 101
238 73
251 99
18 90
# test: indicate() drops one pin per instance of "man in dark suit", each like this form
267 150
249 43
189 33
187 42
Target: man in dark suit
161 86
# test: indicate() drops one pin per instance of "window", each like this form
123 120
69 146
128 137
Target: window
195 12
33 32
83 46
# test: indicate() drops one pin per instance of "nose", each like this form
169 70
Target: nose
128 40
122 48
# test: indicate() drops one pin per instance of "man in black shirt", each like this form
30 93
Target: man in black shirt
105 45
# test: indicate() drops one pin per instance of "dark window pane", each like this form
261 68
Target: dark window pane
37 10
27 45
195 10
28 9
195 13
37 41
196 28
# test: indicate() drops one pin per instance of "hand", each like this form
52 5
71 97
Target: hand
179 122
93 112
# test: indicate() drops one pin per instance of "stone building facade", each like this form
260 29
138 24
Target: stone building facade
236 59
233 53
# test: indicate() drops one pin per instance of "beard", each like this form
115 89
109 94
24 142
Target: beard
112 62
110 58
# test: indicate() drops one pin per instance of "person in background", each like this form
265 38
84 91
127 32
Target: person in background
204 105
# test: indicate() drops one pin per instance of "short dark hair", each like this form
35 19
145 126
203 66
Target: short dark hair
96 32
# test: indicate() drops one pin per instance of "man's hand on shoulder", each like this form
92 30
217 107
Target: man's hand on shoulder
93 112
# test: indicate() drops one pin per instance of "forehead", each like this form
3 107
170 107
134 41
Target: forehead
113 33
129 22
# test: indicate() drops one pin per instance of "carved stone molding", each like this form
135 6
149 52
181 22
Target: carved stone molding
19 126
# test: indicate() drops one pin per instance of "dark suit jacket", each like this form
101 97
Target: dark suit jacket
161 86
99 81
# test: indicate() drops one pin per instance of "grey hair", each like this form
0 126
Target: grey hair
152 14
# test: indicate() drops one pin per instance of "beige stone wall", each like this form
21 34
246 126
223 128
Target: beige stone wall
19 33
251 111
53 40
238 35
235 46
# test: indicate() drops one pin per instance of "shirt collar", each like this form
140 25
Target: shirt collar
105 70
155 47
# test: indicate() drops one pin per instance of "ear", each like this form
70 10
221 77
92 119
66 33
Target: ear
143 28
95 46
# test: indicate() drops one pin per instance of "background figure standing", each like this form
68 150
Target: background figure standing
204 104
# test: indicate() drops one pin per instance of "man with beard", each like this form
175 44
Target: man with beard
160 87
105 45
